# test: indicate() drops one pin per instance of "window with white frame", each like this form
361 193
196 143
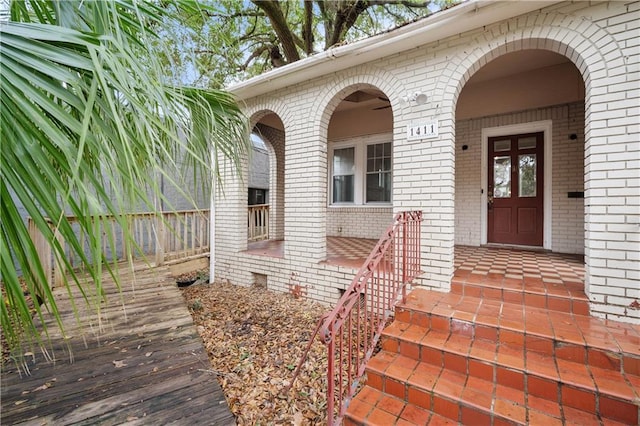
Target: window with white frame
343 174
361 171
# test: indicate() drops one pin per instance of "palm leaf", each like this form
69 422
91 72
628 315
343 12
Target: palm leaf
87 122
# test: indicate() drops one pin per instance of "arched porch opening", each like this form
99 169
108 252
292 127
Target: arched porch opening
266 184
359 192
529 195
520 175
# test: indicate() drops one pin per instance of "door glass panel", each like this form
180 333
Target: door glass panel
527 143
502 177
502 145
527 172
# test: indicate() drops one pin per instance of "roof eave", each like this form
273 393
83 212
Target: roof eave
464 17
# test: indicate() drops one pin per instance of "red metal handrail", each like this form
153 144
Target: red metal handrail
351 331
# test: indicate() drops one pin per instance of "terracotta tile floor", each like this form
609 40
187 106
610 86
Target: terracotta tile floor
516 267
467 370
351 252
269 248
538 279
519 265
584 337
512 342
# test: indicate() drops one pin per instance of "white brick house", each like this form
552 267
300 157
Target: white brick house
568 71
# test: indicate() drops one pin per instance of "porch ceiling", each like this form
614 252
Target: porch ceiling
517 63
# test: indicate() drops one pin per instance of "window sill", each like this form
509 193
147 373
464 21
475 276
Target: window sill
362 206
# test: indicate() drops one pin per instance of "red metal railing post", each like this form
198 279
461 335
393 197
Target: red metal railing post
375 289
330 376
404 255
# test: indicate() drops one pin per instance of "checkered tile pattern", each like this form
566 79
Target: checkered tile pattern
349 251
552 268
340 250
520 264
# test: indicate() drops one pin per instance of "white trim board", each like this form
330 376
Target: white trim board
544 126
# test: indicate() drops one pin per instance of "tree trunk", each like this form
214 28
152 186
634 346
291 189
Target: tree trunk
281 28
307 31
345 18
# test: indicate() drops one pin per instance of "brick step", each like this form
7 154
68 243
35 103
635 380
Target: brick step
512 365
373 407
567 337
565 297
472 400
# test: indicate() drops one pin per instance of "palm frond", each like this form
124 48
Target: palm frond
87 122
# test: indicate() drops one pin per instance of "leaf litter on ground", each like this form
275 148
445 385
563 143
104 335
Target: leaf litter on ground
255 338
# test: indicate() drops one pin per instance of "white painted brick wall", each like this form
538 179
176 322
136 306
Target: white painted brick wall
358 222
602 41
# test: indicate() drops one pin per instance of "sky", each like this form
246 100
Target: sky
4 10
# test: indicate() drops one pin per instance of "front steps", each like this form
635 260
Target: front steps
490 354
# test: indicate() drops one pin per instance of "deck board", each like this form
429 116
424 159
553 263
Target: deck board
142 363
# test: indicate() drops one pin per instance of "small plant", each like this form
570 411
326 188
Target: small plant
188 278
203 275
196 305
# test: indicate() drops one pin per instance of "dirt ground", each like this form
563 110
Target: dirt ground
255 338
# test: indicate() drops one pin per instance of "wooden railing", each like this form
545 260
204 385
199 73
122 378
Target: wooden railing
258 220
158 237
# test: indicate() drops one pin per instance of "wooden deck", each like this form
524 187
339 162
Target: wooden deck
146 365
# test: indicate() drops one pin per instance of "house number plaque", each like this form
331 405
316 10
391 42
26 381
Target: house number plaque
422 130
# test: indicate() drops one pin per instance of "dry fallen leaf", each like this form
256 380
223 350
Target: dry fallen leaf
47 385
254 339
119 364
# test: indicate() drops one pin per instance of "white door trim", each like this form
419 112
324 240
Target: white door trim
532 127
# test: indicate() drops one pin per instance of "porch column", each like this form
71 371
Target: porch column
612 206
275 139
276 192
305 194
231 220
424 172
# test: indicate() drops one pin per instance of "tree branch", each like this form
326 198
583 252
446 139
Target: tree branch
242 14
346 17
406 3
307 31
280 27
390 12
327 22
256 53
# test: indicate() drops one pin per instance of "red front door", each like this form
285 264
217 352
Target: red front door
515 210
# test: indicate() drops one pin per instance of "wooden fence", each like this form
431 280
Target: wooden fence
167 237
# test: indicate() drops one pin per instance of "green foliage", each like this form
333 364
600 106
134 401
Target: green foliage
89 119
196 305
229 40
